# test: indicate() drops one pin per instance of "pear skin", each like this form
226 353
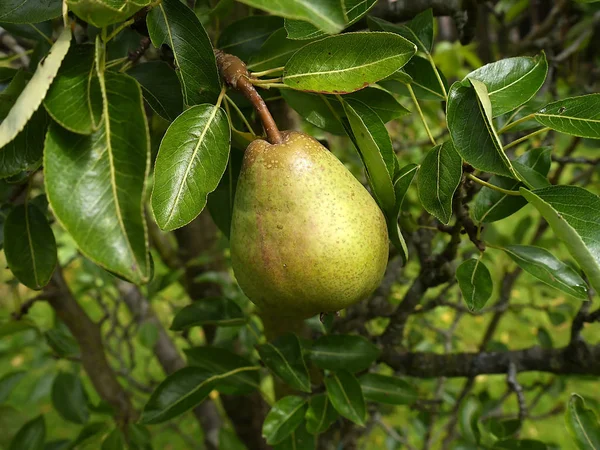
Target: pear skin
306 236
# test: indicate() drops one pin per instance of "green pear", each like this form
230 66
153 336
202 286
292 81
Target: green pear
306 236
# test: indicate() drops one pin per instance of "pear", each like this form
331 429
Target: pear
306 236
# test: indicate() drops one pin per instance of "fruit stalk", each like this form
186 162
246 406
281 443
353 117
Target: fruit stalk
234 72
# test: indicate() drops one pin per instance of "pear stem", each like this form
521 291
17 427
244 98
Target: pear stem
235 74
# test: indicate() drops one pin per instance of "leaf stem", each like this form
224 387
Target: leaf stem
119 29
507 127
524 138
240 113
258 82
470 176
437 75
274 85
267 72
221 96
416 102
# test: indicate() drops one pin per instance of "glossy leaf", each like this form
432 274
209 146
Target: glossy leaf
475 283
284 358
320 414
181 391
191 160
30 436
283 418
354 9
419 30
345 394
320 110
32 95
218 311
375 148
438 179
424 81
471 128
275 52
582 423
74 99
29 246
113 441
347 352
103 13
327 15
577 116
468 419
511 82
243 38
174 24
96 184
381 101
574 215
529 176
8 383
387 389
338 64
299 439
402 182
543 265
491 205
219 361
69 398
160 88
29 11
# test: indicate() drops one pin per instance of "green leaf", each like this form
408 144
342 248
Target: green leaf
96 184
29 11
8 383
546 267
574 215
218 311
320 414
339 351
32 95
345 394
544 338
148 334
511 82
468 419
62 342
88 432
419 30
219 361
475 283
577 116
174 24
354 9
160 87
59 444
471 128
515 444
101 13
402 182
243 38
491 205
502 429
530 177
338 64
74 99
438 179
29 246
582 424
113 441
283 418
320 110
284 358
69 398
381 101
275 52
191 160
424 81
181 391
30 436
375 148
299 439
327 15
387 389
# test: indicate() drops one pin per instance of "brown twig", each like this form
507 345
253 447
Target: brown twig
234 72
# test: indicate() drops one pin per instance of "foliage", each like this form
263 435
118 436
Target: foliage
121 142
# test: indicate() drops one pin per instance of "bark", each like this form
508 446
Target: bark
93 357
